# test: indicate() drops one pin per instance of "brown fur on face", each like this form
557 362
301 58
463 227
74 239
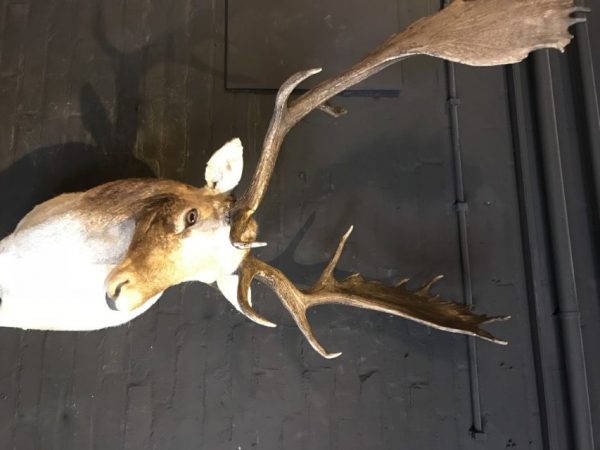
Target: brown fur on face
123 199
164 251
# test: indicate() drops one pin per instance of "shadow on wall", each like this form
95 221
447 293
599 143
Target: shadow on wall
75 166
305 274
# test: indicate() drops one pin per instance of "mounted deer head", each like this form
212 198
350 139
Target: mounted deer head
125 242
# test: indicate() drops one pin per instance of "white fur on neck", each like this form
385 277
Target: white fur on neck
52 275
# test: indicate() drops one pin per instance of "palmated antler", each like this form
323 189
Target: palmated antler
474 32
419 305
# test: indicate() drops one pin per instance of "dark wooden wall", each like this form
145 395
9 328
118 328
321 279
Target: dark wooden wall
490 176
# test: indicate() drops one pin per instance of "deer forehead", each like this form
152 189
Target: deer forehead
134 198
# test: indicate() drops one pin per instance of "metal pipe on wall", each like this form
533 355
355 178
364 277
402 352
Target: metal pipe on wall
590 103
564 271
461 208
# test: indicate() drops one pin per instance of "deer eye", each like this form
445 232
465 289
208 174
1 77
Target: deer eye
191 217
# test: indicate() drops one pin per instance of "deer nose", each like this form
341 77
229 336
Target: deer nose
111 298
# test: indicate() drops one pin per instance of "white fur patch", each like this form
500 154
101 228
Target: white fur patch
224 168
52 275
212 252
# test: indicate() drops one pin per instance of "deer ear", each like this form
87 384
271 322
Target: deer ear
224 168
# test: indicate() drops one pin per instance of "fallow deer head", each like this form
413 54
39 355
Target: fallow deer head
181 233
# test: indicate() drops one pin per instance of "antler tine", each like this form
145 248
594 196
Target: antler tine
244 299
327 276
418 305
474 32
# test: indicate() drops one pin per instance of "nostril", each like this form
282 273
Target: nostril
118 288
111 299
111 303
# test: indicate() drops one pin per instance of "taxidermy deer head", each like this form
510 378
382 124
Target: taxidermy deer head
95 259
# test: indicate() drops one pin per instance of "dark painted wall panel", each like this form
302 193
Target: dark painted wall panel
322 33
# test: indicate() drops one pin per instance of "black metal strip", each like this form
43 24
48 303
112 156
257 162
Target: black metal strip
564 273
461 207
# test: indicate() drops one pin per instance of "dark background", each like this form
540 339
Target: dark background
488 175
